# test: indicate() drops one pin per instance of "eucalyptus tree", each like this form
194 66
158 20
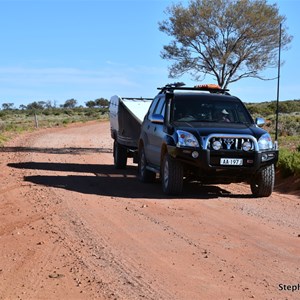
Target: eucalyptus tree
7 106
71 103
227 39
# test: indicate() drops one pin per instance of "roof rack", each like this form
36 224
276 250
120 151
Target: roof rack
136 98
212 88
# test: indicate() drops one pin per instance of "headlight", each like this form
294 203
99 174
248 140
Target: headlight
216 145
265 142
246 146
186 139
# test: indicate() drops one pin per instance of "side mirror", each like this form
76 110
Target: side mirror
260 121
157 119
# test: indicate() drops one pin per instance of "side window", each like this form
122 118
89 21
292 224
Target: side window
152 107
163 109
159 107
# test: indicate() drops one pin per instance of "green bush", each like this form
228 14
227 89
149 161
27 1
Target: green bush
269 108
68 112
289 162
3 139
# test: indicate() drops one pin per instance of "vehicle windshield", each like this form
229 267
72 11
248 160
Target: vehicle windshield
208 109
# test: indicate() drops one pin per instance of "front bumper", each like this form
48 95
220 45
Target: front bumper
206 163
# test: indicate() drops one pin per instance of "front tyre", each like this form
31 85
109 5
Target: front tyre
144 174
120 156
262 184
172 176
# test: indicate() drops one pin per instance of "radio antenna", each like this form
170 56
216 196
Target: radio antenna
278 82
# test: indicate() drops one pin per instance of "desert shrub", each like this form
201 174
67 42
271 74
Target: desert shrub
288 124
2 113
57 113
68 112
47 112
3 139
289 162
269 108
92 114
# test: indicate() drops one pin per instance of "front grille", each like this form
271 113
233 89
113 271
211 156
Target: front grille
231 143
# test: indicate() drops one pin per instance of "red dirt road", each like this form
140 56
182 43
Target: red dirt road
73 227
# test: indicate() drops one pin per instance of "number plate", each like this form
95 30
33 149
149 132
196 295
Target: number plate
231 162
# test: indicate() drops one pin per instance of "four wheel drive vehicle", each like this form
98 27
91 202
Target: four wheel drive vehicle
205 134
126 116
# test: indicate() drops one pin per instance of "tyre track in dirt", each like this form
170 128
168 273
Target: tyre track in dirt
73 241
91 252
88 231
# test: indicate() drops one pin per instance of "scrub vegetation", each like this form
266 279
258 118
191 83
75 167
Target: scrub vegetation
28 118
14 121
288 132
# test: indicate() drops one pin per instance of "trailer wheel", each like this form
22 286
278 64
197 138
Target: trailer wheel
144 175
172 176
263 182
120 156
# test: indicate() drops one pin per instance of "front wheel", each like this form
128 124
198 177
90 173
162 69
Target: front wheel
172 176
120 156
262 184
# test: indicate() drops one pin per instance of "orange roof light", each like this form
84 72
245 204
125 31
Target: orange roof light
210 86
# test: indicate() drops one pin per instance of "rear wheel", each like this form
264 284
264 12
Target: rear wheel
172 176
262 184
144 174
120 156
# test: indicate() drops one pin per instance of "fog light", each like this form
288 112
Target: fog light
264 157
195 154
216 145
246 146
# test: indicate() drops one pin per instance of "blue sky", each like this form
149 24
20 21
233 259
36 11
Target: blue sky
87 49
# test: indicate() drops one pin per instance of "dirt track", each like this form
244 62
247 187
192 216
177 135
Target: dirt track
73 227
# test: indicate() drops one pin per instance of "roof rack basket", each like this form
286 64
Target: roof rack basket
212 88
